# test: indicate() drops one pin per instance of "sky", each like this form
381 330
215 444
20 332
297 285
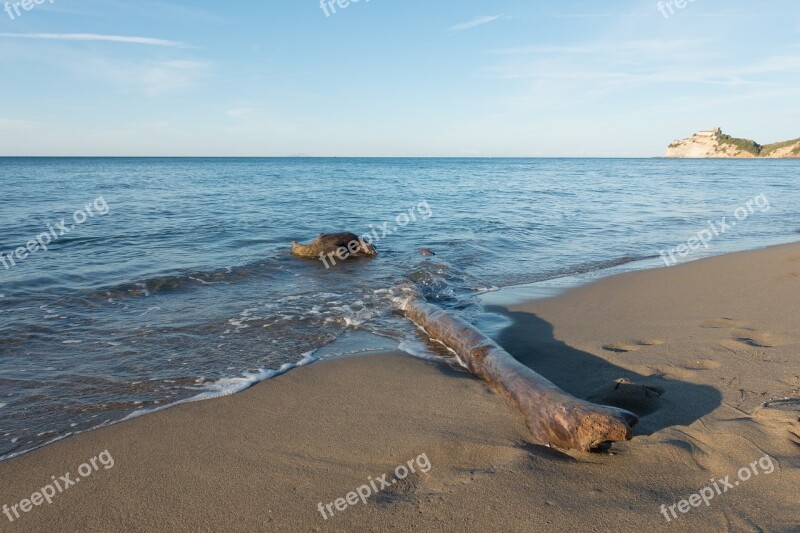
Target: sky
395 78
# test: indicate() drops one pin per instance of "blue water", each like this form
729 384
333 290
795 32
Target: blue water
180 283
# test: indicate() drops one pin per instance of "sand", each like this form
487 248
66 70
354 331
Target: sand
703 346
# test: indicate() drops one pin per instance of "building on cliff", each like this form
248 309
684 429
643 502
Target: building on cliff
716 132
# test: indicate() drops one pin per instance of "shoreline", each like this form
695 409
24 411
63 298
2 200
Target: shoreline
717 337
554 286
502 296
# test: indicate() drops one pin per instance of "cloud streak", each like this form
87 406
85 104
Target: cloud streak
16 124
241 112
93 37
647 47
478 21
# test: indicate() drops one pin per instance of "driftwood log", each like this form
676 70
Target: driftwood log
554 417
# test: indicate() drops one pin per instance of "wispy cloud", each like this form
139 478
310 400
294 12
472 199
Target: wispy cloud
16 124
634 62
600 15
583 16
93 37
152 77
241 112
557 76
478 21
169 76
647 48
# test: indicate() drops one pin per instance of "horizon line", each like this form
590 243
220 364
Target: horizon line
327 157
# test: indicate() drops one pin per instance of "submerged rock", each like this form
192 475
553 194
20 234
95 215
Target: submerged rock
337 245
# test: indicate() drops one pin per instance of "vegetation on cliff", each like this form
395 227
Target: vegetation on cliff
745 145
769 148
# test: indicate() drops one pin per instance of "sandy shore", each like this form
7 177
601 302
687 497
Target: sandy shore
703 345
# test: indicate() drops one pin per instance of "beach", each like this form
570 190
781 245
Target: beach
519 266
703 347
106 323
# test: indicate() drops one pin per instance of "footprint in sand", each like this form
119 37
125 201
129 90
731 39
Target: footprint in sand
779 412
651 342
625 394
703 364
756 338
621 347
743 337
632 346
744 343
732 345
403 490
674 372
688 370
721 323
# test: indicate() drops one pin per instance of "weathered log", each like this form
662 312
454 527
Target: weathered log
554 417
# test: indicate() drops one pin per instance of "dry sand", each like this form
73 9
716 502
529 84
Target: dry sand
712 341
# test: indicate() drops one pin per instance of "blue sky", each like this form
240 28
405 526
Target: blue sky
393 77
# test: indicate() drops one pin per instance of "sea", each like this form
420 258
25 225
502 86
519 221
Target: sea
129 285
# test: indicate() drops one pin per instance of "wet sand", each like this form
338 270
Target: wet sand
702 347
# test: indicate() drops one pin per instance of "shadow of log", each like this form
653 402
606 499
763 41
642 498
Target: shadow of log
669 403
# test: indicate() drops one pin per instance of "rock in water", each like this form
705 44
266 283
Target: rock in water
339 245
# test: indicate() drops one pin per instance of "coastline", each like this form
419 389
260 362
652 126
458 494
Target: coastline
717 335
358 343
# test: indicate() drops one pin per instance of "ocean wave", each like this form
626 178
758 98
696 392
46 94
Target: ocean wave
212 389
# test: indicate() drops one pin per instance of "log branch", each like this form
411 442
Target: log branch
554 417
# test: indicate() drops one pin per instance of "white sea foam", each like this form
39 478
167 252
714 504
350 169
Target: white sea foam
328 295
418 348
144 288
487 289
227 386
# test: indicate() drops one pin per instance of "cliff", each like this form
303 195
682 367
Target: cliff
714 143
